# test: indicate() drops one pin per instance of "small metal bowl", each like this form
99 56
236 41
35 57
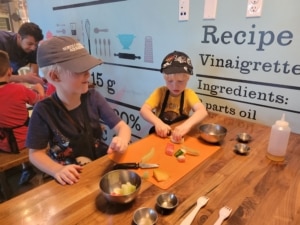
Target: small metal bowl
145 216
241 149
166 202
212 133
244 137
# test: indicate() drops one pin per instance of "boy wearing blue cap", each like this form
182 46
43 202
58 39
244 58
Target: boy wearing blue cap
174 102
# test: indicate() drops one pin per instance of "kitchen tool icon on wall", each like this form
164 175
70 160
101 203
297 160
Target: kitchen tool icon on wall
126 41
104 46
87 26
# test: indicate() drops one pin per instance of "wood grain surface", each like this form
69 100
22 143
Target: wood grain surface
259 191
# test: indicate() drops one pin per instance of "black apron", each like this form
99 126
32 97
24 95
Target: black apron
86 143
170 117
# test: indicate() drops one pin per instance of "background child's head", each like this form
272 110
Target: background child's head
4 63
177 68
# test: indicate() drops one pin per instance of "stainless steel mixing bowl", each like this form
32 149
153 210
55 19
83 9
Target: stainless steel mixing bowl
212 133
114 179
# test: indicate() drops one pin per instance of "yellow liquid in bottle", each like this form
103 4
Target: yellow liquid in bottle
275 157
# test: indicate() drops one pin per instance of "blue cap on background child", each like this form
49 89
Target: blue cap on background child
177 62
67 52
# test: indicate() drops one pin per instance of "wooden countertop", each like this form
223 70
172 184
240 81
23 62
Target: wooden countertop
259 191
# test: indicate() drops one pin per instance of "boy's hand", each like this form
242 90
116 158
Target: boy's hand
162 129
69 174
117 145
179 132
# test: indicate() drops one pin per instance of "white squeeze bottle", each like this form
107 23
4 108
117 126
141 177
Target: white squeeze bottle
279 139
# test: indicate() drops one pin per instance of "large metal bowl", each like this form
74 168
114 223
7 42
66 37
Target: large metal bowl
115 179
212 133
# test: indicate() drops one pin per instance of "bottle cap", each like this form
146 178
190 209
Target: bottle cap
282 121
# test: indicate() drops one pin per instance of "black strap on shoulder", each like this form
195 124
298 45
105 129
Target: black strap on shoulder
2 83
163 107
181 103
87 127
63 108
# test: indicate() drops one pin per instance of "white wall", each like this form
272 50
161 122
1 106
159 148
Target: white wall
272 40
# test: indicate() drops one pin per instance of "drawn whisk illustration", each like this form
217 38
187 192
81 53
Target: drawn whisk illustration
88 33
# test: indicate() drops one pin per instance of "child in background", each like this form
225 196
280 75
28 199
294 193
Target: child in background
13 110
68 121
172 103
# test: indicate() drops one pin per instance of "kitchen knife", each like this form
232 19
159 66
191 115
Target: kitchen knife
134 165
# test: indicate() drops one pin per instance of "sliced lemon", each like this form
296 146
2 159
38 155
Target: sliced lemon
148 156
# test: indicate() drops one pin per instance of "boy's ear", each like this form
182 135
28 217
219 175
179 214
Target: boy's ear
53 75
9 72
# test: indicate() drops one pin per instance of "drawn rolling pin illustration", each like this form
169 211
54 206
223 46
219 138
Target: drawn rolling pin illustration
127 56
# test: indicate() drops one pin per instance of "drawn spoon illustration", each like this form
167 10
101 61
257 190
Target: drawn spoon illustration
88 30
97 30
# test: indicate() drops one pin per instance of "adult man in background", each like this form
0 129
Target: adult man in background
21 48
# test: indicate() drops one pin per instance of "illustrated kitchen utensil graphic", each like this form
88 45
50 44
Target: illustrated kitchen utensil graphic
223 214
88 33
126 40
148 50
100 48
201 201
104 44
108 42
97 30
96 46
127 56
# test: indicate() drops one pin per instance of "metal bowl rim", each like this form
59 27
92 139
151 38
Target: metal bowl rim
167 193
120 198
241 148
148 209
213 125
244 134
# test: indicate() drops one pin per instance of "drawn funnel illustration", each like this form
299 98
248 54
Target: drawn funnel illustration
126 40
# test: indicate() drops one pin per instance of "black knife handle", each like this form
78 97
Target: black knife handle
126 166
